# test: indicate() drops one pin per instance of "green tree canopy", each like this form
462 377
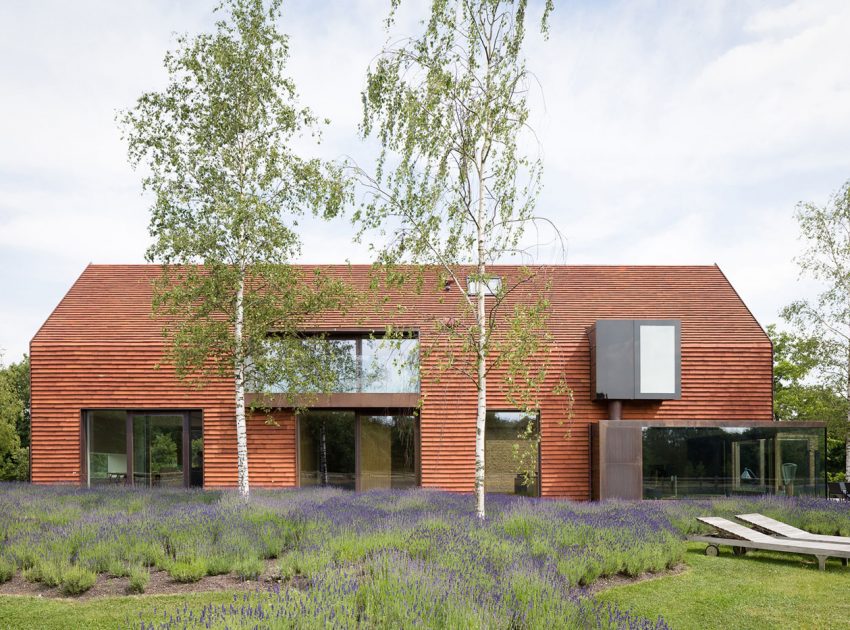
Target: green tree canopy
800 395
825 231
454 188
14 421
228 192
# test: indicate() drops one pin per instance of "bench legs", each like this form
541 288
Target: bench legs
821 562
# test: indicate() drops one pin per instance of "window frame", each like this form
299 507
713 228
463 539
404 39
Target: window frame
358 413
539 415
358 337
677 359
186 448
488 288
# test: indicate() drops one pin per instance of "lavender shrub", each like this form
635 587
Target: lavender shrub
371 560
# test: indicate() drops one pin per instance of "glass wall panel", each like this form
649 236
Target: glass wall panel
387 452
327 449
107 447
725 461
196 441
158 450
507 453
340 365
390 365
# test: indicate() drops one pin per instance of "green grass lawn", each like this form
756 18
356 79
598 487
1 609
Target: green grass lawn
761 590
35 613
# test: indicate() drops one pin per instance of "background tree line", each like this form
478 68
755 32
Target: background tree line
812 356
14 420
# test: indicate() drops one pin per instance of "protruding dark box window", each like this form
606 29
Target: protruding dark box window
636 359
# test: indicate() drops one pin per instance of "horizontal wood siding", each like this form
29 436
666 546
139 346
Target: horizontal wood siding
99 348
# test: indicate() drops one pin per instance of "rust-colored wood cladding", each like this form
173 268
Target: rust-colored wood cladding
99 347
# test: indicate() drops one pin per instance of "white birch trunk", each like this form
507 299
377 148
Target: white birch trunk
239 368
481 321
847 437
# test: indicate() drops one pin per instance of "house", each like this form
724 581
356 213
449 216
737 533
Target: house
671 378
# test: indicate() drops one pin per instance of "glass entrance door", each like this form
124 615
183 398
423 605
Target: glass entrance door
357 451
158 453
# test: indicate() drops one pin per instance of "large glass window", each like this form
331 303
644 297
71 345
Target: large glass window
158 450
107 447
387 452
372 364
144 449
327 450
357 451
511 454
685 461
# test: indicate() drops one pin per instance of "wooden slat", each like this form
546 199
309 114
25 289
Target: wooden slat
99 347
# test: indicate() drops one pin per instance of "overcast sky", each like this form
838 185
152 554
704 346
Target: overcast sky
672 132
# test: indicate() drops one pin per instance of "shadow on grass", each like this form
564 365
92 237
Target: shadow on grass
771 558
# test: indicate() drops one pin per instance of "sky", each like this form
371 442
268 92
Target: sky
670 132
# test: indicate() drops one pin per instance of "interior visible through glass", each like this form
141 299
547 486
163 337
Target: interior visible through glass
161 442
511 453
685 461
158 450
107 447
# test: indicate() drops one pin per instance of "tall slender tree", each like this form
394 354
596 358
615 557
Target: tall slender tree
453 187
826 258
228 190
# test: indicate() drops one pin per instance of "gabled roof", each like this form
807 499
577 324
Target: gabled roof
112 303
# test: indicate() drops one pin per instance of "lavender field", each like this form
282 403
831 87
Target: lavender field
372 560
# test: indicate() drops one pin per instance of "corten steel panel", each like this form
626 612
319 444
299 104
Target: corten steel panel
618 460
99 347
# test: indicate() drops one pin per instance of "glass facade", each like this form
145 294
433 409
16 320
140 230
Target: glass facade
346 449
346 365
387 452
107 447
727 461
327 449
144 449
511 452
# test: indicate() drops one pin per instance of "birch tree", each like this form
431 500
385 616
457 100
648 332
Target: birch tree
826 258
228 189
453 187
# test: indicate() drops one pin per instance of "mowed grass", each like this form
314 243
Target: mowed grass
37 613
761 590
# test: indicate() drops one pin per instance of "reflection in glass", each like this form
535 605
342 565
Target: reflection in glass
327 449
387 452
390 365
505 449
725 461
196 440
339 365
158 450
107 447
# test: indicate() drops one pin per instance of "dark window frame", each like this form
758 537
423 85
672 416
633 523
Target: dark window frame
358 413
358 336
539 415
676 324
130 413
